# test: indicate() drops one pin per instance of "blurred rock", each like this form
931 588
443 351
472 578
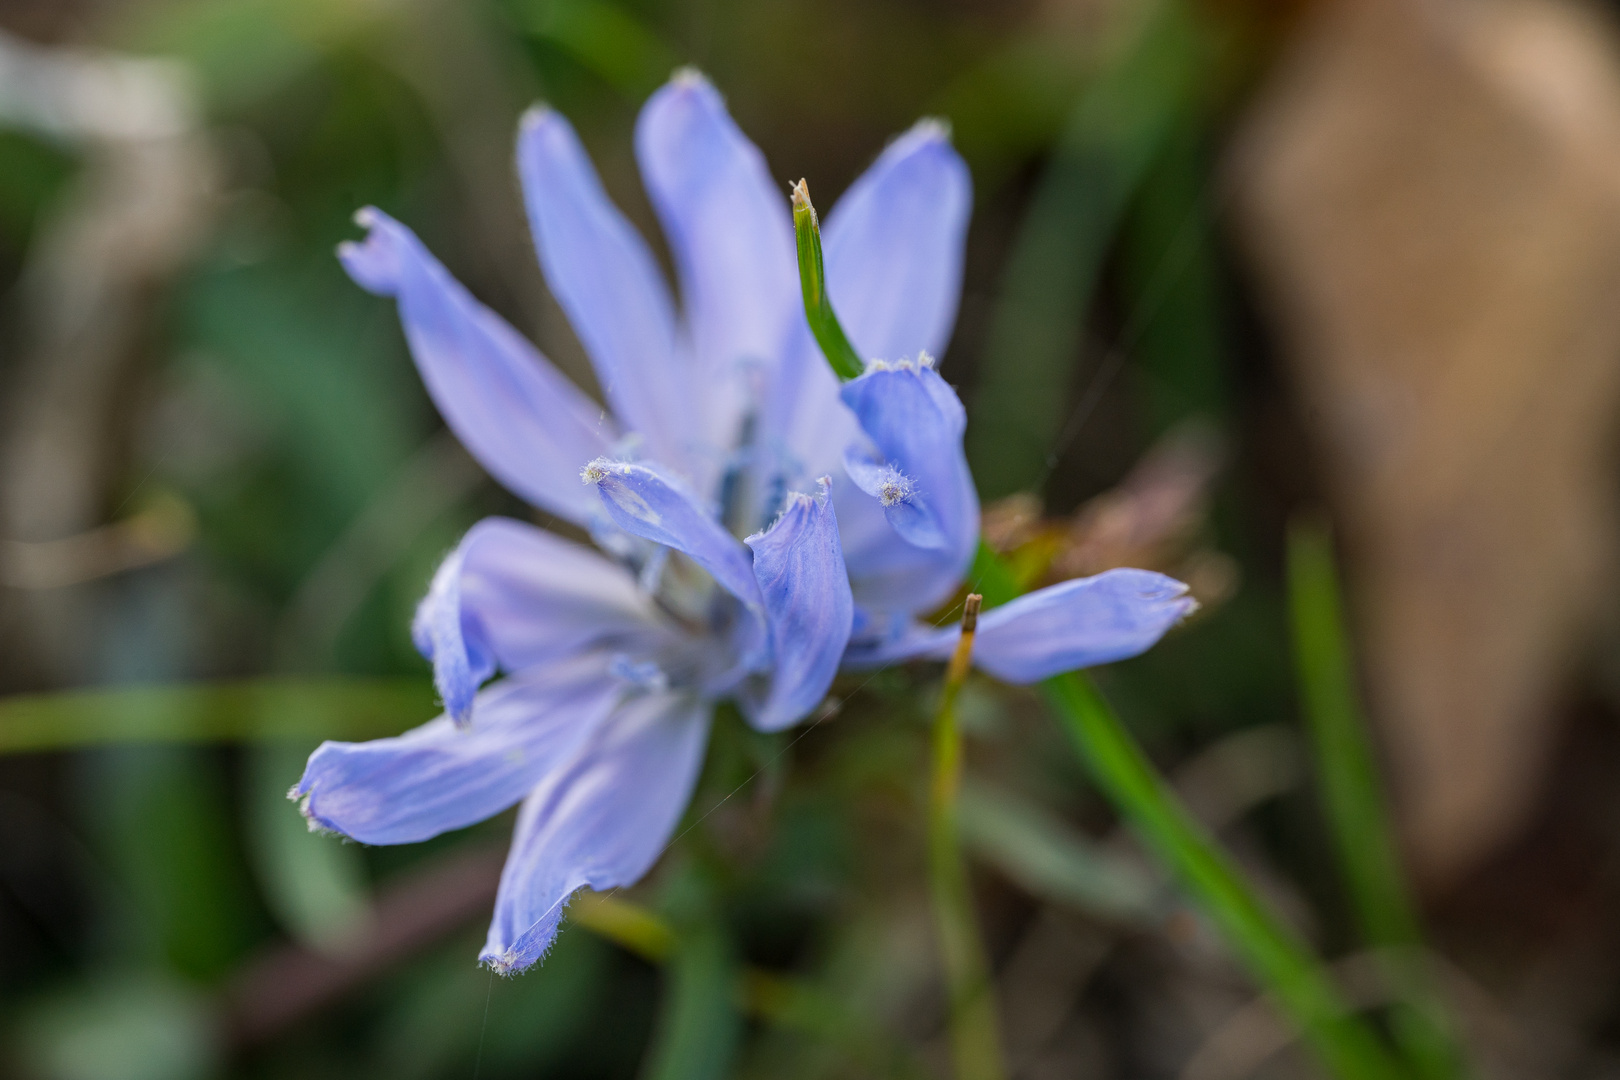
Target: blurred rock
1431 195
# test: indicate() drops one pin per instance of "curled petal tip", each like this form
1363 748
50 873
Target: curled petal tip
1162 587
505 963
366 217
932 129
314 823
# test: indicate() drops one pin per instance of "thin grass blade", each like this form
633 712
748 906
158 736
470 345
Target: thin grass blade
1354 801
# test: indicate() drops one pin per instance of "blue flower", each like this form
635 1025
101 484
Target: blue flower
722 421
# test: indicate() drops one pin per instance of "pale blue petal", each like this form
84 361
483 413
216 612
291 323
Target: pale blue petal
1075 624
731 235
915 421
537 596
894 245
440 777
523 421
804 424
599 823
800 567
514 596
646 503
605 278
454 644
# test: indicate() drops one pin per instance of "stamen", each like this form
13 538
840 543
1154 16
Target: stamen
895 487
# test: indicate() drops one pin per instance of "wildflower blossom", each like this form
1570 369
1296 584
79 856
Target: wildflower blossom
721 422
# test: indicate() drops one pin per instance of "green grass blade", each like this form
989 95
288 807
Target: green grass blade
1273 953
245 710
1354 801
699 1025
818 307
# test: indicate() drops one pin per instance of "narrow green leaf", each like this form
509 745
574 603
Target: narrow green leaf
1274 954
818 308
245 710
699 1025
1354 799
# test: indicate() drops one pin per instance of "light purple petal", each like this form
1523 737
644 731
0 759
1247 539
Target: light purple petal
514 596
605 278
440 777
894 246
646 503
523 421
599 823
916 423
729 231
537 596
1076 624
800 567
461 658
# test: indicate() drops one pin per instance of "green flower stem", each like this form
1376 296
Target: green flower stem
818 309
1354 803
1276 956
975 1040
